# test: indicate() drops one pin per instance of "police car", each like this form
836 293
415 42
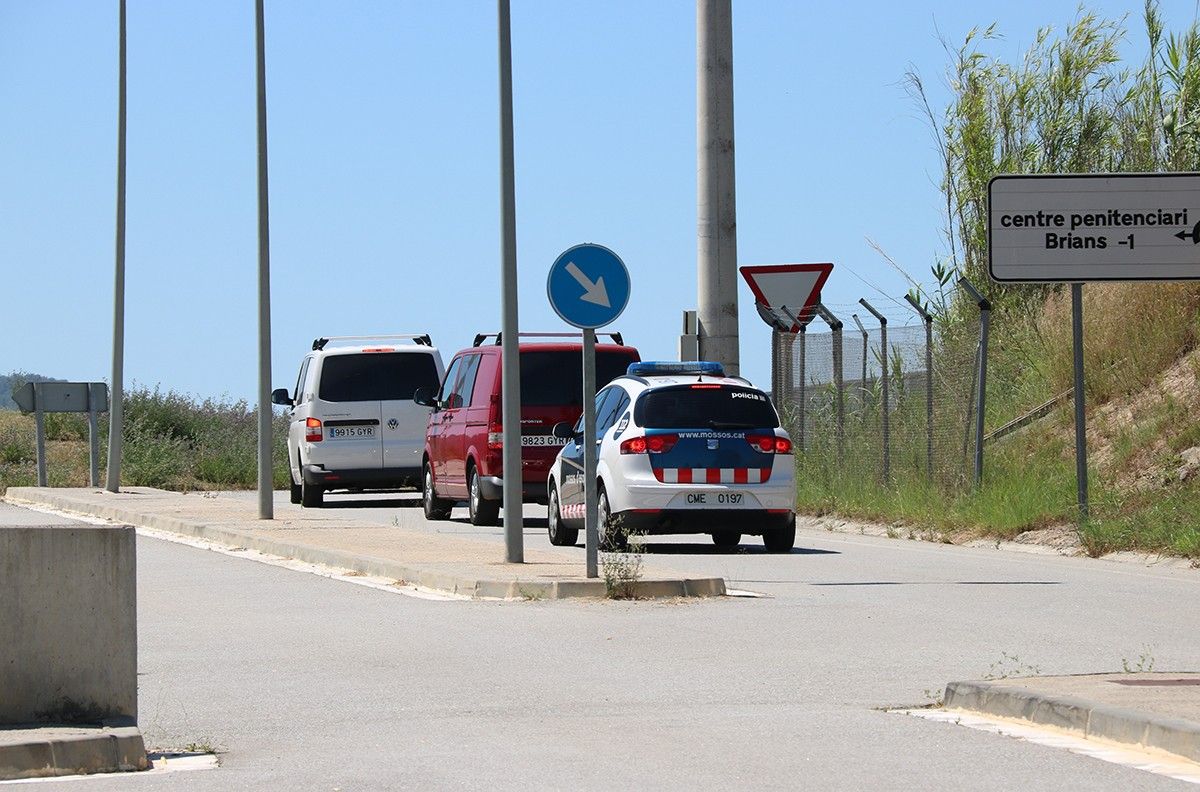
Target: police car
681 448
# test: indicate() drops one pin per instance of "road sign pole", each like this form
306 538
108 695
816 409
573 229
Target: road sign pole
1081 466
265 463
116 412
514 522
591 526
39 423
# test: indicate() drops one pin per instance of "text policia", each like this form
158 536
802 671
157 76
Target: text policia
1067 239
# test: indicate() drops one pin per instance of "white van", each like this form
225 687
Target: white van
353 424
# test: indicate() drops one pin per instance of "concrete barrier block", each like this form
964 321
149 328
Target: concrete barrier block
68 651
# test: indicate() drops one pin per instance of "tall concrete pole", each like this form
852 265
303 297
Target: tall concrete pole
116 412
266 508
514 520
716 209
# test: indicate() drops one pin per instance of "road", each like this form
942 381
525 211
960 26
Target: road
305 682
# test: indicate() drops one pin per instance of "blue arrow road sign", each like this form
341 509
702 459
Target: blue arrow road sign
588 286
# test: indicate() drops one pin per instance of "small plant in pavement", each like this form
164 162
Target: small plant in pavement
622 571
1010 666
1143 665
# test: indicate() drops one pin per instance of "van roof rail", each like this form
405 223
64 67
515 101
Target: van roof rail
617 338
420 340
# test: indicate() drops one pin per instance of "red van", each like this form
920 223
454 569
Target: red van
463 459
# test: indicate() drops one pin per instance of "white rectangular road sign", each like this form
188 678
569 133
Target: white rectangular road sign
1094 227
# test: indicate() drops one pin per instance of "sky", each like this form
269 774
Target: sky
384 167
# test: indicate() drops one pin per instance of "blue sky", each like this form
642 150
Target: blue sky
384 166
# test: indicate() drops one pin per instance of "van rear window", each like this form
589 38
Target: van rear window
555 379
376 376
690 407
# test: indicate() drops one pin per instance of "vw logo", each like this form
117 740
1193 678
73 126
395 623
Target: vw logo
393 423
713 444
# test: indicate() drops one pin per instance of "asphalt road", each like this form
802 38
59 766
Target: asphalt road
304 682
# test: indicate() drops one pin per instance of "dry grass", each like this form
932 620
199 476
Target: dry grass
1132 333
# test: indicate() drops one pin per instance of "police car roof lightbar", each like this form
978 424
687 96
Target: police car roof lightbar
651 368
617 338
421 340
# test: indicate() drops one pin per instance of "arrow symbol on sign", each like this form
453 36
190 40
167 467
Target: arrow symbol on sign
592 292
1193 235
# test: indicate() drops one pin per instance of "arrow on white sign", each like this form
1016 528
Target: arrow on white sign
592 292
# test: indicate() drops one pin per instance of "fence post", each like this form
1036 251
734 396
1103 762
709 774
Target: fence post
883 360
985 321
835 326
928 320
863 382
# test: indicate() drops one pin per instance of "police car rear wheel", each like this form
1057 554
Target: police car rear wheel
560 535
726 539
311 496
781 540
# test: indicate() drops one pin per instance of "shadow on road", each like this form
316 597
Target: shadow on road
944 583
384 503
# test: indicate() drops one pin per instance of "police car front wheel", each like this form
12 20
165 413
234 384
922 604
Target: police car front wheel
560 535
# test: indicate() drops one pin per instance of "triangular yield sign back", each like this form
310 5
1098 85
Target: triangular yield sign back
794 287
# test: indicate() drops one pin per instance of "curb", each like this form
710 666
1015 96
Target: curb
428 577
1091 720
108 750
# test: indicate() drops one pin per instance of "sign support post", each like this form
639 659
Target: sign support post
588 287
39 421
93 439
510 376
591 521
1081 467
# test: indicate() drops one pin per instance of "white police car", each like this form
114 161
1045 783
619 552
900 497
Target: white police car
681 449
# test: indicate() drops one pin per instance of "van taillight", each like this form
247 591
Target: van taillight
495 436
312 430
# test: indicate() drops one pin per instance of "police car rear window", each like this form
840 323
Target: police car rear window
377 376
691 407
555 379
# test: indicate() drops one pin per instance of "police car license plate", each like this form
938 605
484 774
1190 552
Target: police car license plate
711 499
538 441
351 432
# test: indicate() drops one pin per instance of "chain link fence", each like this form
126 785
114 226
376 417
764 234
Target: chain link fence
902 408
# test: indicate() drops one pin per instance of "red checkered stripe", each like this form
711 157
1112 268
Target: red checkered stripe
572 512
713 475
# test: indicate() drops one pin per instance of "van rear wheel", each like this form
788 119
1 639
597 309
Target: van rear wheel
311 496
482 511
295 489
435 508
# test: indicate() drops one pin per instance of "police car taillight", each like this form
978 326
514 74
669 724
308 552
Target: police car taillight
312 430
769 443
651 444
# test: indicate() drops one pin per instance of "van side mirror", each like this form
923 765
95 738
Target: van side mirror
563 430
424 397
282 397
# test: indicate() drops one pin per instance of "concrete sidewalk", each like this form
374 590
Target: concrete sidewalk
1151 710
447 563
